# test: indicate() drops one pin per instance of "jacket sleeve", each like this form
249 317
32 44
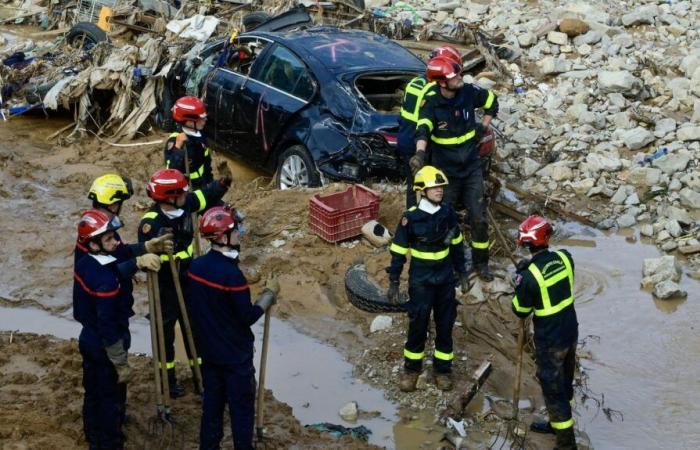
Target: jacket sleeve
523 301
398 249
426 117
108 311
208 174
174 157
147 230
243 308
486 100
127 268
457 245
201 199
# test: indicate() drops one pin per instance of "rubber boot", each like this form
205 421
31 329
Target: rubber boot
408 380
484 273
566 439
443 381
541 426
176 389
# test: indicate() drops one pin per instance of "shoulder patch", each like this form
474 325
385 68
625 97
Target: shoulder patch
518 279
145 228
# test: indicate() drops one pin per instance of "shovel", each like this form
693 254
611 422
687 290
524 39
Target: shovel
261 381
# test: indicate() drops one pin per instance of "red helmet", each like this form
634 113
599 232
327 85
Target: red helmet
94 223
535 230
448 52
166 184
487 142
217 221
442 68
189 108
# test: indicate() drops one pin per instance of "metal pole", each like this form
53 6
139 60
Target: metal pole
261 381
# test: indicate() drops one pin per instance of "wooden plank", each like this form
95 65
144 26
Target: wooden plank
548 205
689 249
50 33
479 378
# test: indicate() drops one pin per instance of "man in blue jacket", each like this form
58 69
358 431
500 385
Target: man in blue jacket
103 306
222 314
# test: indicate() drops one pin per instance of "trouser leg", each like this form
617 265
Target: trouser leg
472 195
451 193
211 428
569 370
418 307
444 313
408 175
241 405
551 374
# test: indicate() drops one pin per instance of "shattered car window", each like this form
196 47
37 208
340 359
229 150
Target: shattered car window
286 72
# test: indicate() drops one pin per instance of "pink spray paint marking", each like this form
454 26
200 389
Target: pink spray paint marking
339 45
260 120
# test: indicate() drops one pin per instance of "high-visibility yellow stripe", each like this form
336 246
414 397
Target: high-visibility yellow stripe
518 308
444 356
452 140
199 361
417 88
206 152
168 365
197 173
150 215
184 254
480 245
202 200
427 122
563 425
547 308
458 239
398 249
489 100
411 355
174 134
432 256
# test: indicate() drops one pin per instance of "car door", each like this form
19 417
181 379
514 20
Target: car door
278 87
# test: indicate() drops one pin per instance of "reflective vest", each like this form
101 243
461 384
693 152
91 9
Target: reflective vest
416 89
195 174
550 305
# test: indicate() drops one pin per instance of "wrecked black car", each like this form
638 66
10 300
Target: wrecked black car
306 104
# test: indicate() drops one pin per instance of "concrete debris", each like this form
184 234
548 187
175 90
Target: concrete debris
381 323
656 270
668 290
349 412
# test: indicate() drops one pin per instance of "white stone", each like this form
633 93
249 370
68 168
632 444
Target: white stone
626 221
584 49
664 126
460 13
558 171
551 65
607 163
679 214
528 167
620 196
277 243
672 162
674 228
637 138
665 266
668 289
557 37
641 15
620 81
690 63
581 187
349 412
690 198
527 39
644 176
688 134
646 230
526 136
381 323
632 199
592 37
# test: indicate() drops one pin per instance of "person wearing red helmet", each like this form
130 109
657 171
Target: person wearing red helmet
191 115
447 123
414 94
171 212
102 305
544 286
222 314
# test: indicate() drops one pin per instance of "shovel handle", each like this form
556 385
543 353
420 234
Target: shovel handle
518 368
261 379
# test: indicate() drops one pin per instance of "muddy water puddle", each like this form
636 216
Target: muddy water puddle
310 376
644 353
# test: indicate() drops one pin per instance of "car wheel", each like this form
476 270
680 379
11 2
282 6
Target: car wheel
295 168
254 19
85 35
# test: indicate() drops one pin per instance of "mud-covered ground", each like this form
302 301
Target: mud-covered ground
44 187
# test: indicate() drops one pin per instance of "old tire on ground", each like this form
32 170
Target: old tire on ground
296 168
366 295
254 19
86 33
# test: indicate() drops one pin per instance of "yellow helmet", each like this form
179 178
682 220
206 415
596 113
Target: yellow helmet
428 177
109 189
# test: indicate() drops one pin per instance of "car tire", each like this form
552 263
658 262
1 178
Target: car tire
296 168
87 33
254 19
364 293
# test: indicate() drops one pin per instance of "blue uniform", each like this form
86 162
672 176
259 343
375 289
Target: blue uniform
199 156
103 307
222 314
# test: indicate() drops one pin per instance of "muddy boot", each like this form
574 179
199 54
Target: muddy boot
484 273
408 380
541 426
443 381
566 439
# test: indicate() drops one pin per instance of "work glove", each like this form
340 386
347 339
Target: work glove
464 282
161 244
393 293
268 297
149 261
225 182
273 285
118 357
417 161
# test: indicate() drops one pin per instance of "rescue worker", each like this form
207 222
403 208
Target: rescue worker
447 121
222 314
108 193
103 306
545 287
191 114
172 212
431 234
416 91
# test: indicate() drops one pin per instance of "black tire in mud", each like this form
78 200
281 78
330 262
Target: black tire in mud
253 20
85 34
364 293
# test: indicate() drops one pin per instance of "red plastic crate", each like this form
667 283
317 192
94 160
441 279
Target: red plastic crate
340 216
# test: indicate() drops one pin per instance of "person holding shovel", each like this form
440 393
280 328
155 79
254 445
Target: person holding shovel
222 314
430 233
545 286
191 115
171 212
102 305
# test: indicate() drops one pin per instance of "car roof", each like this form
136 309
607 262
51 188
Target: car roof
346 51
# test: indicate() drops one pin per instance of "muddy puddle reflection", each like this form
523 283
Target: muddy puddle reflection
310 376
645 352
